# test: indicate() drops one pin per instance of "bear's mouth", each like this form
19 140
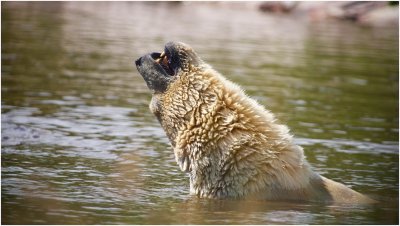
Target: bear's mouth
164 60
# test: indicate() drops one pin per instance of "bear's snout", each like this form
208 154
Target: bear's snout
138 62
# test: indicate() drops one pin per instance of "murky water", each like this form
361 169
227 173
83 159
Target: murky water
79 145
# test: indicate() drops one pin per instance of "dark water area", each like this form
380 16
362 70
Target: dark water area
80 146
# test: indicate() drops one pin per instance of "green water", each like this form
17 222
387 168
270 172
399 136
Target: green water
80 146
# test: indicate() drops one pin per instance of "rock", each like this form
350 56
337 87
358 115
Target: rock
278 7
361 12
385 16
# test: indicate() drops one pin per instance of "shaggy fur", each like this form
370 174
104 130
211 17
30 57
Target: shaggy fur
230 145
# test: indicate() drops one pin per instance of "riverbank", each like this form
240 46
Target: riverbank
374 14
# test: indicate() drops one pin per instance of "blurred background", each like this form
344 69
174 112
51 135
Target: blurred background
80 146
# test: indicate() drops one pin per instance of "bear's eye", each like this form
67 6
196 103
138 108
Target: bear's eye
165 63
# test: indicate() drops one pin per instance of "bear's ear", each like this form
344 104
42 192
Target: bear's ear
182 158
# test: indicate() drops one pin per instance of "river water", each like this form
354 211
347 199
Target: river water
80 146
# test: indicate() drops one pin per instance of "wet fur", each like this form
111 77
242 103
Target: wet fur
232 147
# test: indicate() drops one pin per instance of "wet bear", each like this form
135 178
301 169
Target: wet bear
231 146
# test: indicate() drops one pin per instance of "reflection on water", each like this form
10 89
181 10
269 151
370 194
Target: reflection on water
79 145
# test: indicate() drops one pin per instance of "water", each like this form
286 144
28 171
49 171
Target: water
79 145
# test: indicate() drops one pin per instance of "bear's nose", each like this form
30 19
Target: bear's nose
138 62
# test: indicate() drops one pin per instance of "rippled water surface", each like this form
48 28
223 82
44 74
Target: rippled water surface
80 146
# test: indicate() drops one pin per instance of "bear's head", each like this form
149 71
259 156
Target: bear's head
159 70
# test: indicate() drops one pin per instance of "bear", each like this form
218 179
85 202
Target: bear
230 145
